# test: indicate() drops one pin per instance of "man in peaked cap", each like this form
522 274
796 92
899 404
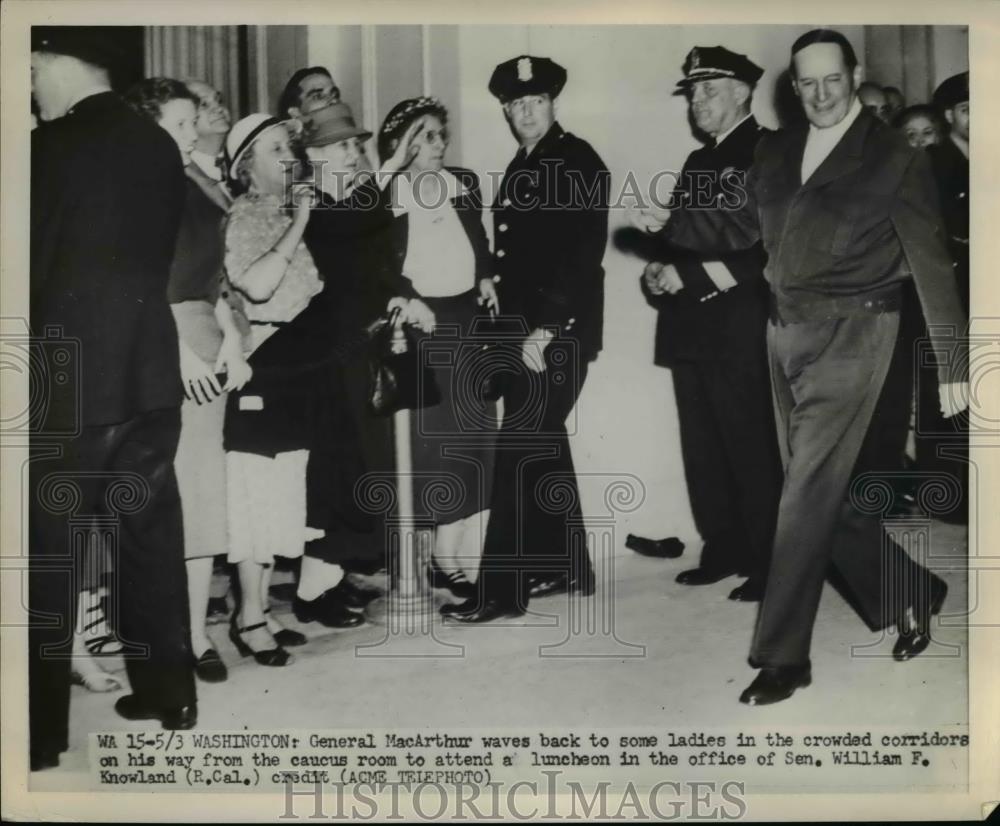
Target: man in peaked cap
846 211
107 191
551 227
710 333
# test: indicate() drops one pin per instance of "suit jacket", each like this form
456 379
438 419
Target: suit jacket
843 241
701 322
107 190
550 223
468 203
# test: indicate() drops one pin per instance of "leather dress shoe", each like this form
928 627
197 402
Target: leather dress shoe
472 611
210 668
352 596
669 548
44 759
561 584
775 684
750 591
327 609
915 636
179 718
702 576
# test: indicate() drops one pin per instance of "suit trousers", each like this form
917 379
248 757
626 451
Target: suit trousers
731 460
118 479
826 379
536 523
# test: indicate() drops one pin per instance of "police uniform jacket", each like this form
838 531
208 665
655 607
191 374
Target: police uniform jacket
951 169
107 192
550 225
701 322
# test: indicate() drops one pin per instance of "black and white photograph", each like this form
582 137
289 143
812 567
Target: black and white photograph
558 415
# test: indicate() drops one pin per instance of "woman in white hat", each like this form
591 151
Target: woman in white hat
272 425
267 262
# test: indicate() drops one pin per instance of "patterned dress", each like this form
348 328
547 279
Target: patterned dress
267 495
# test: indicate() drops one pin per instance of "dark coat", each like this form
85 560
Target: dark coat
951 170
550 223
844 241
469 206
701 323
107 191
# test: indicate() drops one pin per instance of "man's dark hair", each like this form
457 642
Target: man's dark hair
824 36
291 95
148 96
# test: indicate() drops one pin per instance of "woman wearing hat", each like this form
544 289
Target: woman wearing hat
286 424
439 246
268 263
212 361
345 235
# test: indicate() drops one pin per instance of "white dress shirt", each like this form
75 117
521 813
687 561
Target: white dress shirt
207 164
820 142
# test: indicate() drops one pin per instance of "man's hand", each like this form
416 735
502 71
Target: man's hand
651 277
649 219
533 350
954 398
488 295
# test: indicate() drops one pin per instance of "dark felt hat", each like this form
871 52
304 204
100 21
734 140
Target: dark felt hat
953 91
526 75
92 44
709 62
331 124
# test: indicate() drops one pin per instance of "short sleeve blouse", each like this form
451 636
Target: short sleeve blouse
256 224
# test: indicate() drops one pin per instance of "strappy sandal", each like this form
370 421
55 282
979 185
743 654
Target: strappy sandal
274 657
96 631
286 636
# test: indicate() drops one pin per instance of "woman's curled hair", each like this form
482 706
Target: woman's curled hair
148 96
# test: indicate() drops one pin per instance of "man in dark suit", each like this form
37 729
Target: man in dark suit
710 333
107 188
847 211
551 226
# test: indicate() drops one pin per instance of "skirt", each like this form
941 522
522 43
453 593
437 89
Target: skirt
454 441
200 463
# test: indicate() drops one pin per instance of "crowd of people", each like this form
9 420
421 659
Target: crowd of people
228 283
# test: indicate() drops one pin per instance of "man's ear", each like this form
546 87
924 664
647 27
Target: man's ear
295 112
795 86
858 75
949 115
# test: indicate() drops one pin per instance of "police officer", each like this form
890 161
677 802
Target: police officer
710 333
941 444
551 226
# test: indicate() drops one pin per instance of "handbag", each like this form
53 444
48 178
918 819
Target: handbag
398 379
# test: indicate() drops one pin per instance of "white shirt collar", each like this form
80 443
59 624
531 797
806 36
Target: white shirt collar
206 163
832 134
821 142
720 138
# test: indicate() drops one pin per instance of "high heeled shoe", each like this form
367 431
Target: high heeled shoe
275 657
286 636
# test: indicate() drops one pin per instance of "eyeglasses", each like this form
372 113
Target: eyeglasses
431 135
